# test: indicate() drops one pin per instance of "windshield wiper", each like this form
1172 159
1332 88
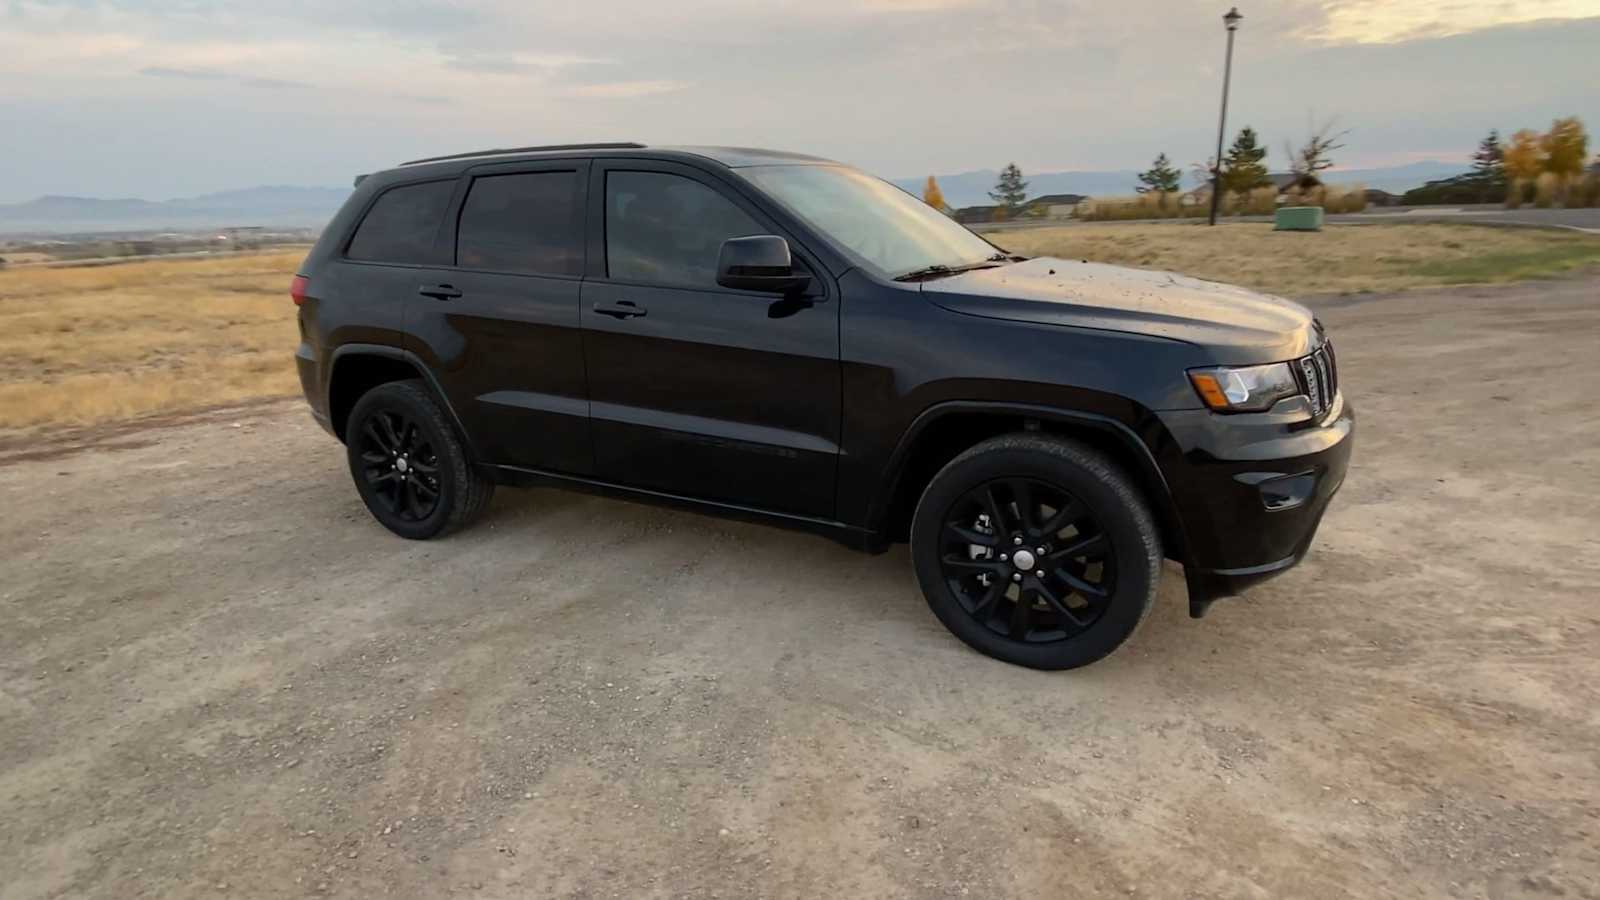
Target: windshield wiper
937 270
940 270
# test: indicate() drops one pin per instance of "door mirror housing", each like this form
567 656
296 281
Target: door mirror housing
759 263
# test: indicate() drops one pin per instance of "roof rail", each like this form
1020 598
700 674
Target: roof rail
502 151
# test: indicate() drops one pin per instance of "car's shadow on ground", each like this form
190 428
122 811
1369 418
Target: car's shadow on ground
741 572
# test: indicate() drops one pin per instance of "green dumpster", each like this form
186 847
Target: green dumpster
1298 218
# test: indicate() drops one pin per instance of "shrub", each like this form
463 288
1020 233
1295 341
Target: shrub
1262 201
1585 192
1545 189
1345 198
1153 205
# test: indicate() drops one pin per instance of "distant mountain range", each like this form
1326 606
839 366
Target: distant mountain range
972 188
310 207
273 207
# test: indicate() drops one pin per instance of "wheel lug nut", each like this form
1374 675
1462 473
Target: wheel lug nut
1043 550
1016 540
1002 557
1017 577
1039 574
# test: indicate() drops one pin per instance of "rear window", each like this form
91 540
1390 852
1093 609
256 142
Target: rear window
527 223
401 226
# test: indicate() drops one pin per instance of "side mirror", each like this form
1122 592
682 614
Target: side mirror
759 263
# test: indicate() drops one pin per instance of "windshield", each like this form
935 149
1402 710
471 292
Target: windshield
893 231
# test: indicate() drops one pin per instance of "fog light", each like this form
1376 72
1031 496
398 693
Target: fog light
1280 491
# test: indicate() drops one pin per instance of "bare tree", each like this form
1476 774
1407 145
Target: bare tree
1315 156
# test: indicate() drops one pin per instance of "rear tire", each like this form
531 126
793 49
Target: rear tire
409 466
1036 550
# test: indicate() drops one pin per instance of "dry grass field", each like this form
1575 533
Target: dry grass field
89 345
1340 259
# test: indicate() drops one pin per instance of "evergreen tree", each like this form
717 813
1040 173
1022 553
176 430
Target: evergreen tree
1010 190
1161 178
1488 162
1242 169
932 196
1489 168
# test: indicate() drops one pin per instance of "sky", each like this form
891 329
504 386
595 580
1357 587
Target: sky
171 98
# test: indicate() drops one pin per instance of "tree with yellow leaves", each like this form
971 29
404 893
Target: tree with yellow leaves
1524 160
931 194
1564 147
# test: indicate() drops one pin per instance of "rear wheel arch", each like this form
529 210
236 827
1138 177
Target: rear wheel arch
358 368
943 432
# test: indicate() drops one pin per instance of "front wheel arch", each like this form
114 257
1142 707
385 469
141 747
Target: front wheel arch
945 430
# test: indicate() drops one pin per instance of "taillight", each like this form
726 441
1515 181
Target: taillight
297 288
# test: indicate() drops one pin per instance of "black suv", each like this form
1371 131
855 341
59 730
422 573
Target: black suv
778 336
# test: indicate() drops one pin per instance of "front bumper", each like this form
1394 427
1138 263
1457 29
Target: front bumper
1250 491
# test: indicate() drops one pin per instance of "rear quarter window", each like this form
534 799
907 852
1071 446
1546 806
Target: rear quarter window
401 226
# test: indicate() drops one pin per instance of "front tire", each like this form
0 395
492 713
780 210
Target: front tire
1036 550
409 466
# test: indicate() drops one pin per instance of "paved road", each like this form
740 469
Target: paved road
1579 219
219 678
1586 219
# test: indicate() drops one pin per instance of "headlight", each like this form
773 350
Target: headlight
1246 389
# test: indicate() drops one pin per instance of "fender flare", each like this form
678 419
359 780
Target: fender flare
1148 470
414 361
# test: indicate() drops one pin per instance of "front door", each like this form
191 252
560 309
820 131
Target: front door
695 389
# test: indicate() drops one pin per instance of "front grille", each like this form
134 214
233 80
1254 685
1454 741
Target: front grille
1319 376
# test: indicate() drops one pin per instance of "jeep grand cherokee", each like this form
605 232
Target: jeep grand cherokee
782 337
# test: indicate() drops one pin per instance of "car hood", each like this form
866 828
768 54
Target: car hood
1238 325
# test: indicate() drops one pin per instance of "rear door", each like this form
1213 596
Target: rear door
501 328
375 275
696 389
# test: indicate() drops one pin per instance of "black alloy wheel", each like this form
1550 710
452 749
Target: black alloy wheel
400 465
1027 560
1037 550
410 467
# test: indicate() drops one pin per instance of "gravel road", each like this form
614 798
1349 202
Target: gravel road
219 677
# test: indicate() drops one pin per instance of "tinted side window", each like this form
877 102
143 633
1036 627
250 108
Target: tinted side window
401 226
527 222
667 229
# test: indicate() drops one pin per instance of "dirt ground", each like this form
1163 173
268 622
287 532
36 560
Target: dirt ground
219 677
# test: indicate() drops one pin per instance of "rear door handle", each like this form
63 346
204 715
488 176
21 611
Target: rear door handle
622 309
440 291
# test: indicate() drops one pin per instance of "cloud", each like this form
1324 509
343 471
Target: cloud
623 90
516 63
428 99
1386 21
258 81
186 74
899 86
253 81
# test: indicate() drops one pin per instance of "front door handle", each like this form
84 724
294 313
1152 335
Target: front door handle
622 309
440 291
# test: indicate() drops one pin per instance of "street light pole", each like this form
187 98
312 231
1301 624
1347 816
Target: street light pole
1231 20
